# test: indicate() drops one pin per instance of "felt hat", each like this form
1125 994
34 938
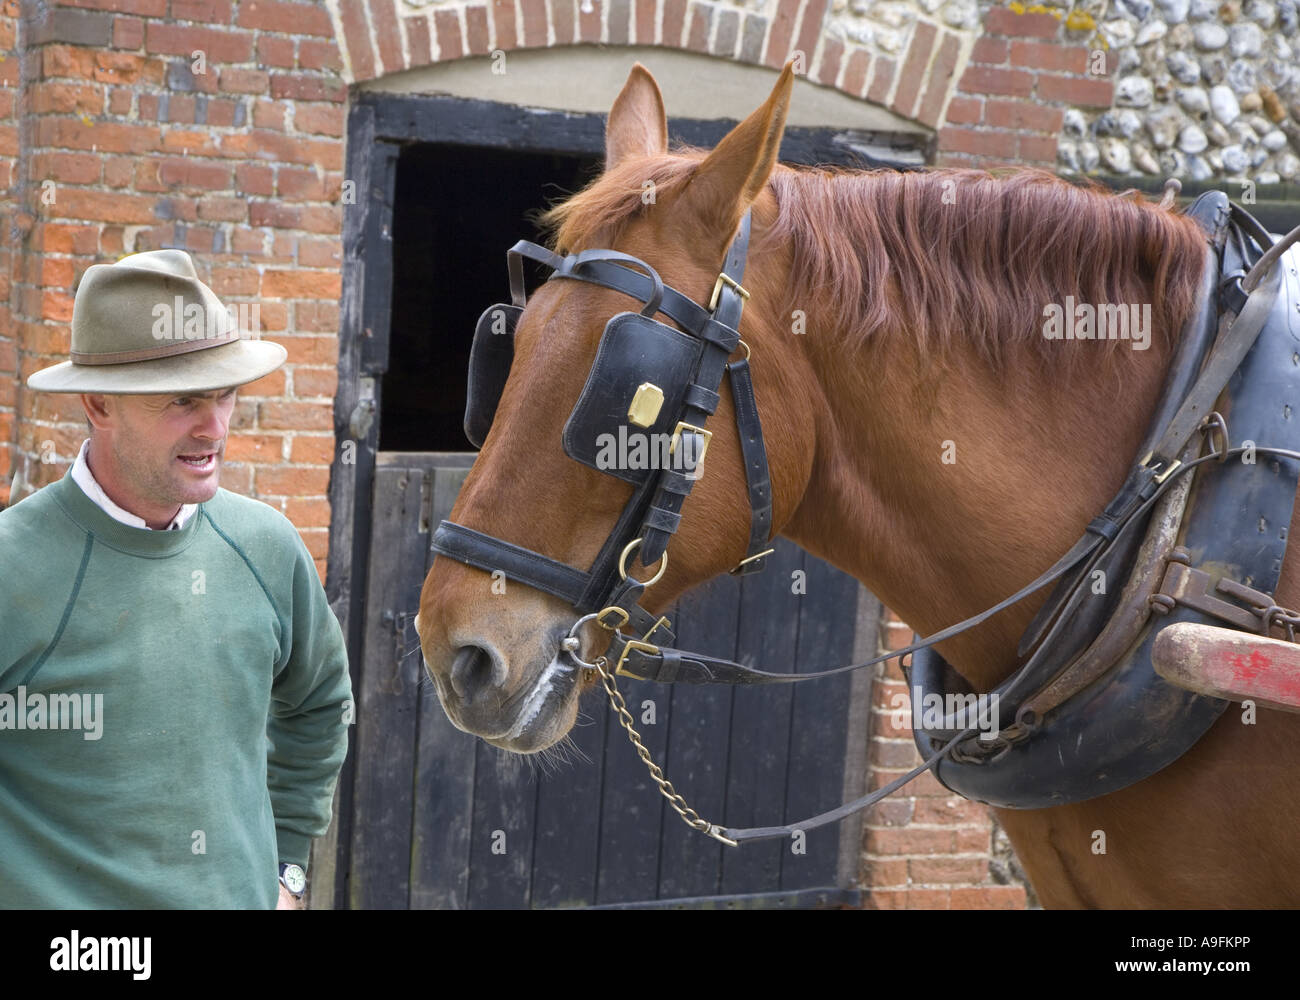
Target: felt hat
147 325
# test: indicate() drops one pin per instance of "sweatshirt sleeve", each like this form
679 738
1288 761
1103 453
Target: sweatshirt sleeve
311 709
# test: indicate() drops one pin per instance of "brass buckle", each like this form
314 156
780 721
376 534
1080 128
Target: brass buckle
630 646
682 425
749 559
600 617
726 279
1160 477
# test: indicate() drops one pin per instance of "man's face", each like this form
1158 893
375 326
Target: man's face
162 451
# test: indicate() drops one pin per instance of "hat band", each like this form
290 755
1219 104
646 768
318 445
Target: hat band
149 354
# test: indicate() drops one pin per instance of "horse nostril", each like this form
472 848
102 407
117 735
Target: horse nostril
472 671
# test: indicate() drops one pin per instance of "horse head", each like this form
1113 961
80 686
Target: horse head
493 645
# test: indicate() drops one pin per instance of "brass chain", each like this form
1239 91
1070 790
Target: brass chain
688 815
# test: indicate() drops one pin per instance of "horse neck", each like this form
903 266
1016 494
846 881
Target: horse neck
945 489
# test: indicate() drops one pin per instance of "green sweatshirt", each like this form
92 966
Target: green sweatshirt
173 705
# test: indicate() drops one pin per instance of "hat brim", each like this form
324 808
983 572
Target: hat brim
197 371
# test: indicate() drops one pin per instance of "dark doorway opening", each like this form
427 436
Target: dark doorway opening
455 208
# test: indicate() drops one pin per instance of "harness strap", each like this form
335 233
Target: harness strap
675 486
753 451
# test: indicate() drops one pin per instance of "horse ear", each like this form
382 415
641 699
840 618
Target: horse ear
734 174
637 123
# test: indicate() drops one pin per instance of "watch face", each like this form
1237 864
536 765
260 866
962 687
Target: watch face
295 880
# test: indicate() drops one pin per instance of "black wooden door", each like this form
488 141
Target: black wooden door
441 819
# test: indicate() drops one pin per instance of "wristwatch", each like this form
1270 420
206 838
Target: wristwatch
293 878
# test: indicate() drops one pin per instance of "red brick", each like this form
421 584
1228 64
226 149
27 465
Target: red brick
252 178
263 448
223 45
991 897
278 52
107 207
953 811
781 33
1023 115
855 74
1048 55
301 284
296 417
235 80
316 540
292 482
909 840
295 184
697 37
810 29
313 54
989 80
309 382
1088 92
309 513
674 20
939 80
948 871
992 51
320 252
503 22
213 209
317 317
417 33
271 114
319 119
195 174
562 22
306 88
1004 21
268 385
446 29
828 70
144 8
128 32
881 78
918 55
67 168
534 12
383 17
310 350
476 30
885 871
965 111
356 35
589 22
646 17
286 18
312 449
211 11
967 140
1038 148
58 237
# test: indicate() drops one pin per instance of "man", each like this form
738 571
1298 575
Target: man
174 692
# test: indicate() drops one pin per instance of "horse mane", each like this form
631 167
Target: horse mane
932 254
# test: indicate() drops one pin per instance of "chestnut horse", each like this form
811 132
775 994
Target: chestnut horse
922 434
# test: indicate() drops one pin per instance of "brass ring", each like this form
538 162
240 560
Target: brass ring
622 563
742 344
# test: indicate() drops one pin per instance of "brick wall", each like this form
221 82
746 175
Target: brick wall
9 105
924 847
202 124
1010 102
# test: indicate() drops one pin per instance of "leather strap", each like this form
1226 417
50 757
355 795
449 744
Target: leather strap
757 475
